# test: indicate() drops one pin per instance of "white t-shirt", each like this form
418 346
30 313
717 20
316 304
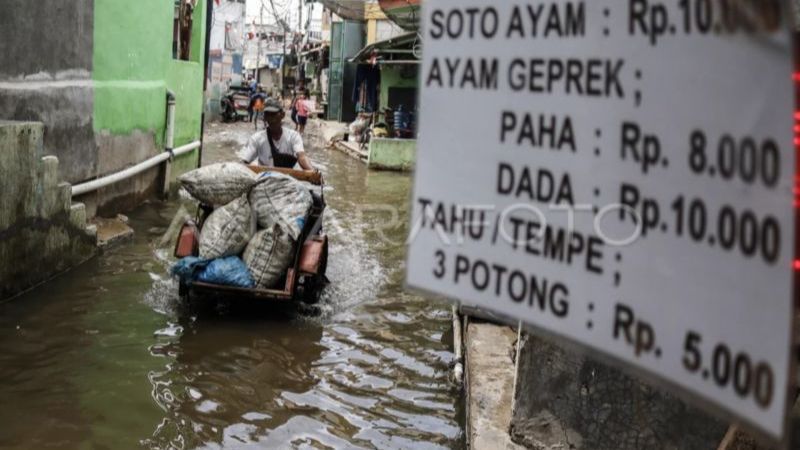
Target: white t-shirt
290 143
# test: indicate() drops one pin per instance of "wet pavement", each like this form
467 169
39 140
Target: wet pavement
106 356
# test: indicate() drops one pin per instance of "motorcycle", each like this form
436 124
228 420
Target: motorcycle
234 104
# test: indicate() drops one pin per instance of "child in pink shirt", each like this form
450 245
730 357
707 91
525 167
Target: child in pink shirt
302 111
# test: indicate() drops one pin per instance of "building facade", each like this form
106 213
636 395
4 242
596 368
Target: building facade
84 89
263 57
97 76
226 52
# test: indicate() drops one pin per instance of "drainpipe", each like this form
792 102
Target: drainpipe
170 141
164 157
170 121
90 186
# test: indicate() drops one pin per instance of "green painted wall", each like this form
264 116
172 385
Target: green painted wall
133 67
392 154
391 77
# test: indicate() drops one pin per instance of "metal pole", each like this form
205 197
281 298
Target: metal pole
258 35
299 30
283 64
209 25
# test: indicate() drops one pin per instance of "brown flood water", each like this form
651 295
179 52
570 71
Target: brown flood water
105 357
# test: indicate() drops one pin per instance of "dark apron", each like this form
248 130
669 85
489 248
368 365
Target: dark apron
280 159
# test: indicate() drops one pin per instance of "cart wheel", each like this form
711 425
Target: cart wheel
312 292
315 285
320 281
309 310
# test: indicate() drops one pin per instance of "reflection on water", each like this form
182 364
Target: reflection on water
105 358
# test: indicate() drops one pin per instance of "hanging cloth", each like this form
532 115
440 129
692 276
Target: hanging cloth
368 78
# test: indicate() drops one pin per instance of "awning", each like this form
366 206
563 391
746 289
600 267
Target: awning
398 49
405 13
346 9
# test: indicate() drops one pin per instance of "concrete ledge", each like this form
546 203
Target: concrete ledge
489 385
566 399
112 232
352 149
41 234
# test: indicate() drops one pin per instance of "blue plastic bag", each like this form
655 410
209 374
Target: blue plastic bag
230 271
189 268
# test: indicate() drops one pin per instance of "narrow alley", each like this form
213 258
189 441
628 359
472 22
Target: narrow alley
109 353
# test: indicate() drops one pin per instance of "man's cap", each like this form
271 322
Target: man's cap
273 105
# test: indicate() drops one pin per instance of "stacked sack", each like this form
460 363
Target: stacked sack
254 227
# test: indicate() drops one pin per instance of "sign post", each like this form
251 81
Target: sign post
620 175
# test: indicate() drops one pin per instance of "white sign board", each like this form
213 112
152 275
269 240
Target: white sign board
618 174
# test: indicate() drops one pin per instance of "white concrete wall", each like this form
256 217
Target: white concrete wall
227 11
314 30
267 47
222 70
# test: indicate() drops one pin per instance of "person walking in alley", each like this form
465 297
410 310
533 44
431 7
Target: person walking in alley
276 146
302 111
293 108
252 85
256 104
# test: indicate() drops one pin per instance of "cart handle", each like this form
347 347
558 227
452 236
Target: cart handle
312 176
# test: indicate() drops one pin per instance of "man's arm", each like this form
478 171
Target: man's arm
300 152
302 159
249 152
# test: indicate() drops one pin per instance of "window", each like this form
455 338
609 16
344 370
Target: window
182 29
